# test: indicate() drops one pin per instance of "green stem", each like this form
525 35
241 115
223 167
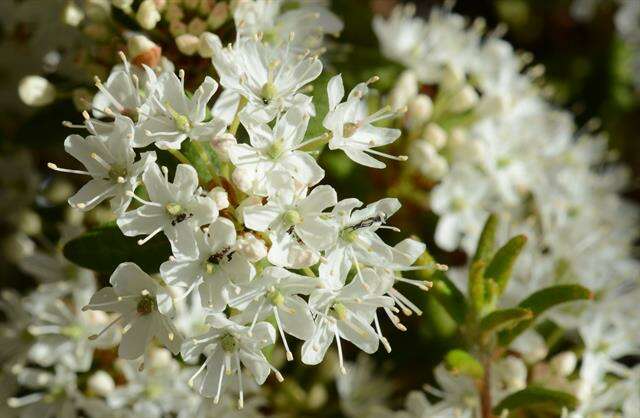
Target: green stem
179 156
205 157
309 272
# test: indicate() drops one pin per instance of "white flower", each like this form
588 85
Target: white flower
142 305
276 149
61 329
36 91
175 117
352 127
101 383
227 345
268 77
14 341
308 22
252 247
297 226
148 15
277 292
176 208
54 394
110 160
358 241
216 265
344 314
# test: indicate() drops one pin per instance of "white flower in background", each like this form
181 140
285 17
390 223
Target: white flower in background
176 209
110 161
309 21
36 91
174 117
297 226
55 394
457 393
155 392
14 341
351 125
357 239
268 77
275 149
416 405
344 314
227 345
362 391
277 291
216 265
142 306
458 200
62 330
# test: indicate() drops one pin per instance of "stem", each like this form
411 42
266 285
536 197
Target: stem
236 121
205 157
485 390
179 156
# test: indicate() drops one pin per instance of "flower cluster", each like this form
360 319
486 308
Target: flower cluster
255 237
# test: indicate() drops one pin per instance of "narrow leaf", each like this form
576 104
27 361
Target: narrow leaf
103 248
542 300
504 319
461 362
500 267
449 296
476 286
487 239
534 396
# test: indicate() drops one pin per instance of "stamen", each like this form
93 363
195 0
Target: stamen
216 399
131 194
148 237
241 391
284 340
66 170
112 323
338 343
255 317
389 156
101 161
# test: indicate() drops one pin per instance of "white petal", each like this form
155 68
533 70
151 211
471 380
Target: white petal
135 341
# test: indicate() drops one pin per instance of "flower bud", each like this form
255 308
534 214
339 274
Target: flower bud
512 372
101 383
252 247
404 90
72 15
196 26
174 12
17 246
419 110
36 91
464 99
220 196
427 160
222 143
148 15
190 4
29 222
435 135
58 191
243 178
124 5
177 28
531 346
564 363
188 44
451 78
160 358
73 216
144 51
97 10
218 16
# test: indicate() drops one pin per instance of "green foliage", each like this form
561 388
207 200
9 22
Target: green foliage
461 362
543 300
501 266
321 102
449 296
487 239
534 397
103 248
504 319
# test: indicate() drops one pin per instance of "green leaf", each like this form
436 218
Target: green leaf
534 396
500 267
461 362
542 300
487 239
476 286
203 158
449 296
504 319
104 248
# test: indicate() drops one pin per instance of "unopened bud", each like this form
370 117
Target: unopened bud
101 383
435 135
419 110
464 99
144 51
221 145
405 89
148 15
220 196
72 15
188 44
36 91
219 15
205 49
196 26
451 78
243 178
252 247
17 246
160 358
124 5
30 223
564 363
426 159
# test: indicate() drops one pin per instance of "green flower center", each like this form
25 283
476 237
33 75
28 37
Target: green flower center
268 92
292 217
275 297
181 122
348 129
349 235
275 149
173 209
146 305
117 171
339 311
229 343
